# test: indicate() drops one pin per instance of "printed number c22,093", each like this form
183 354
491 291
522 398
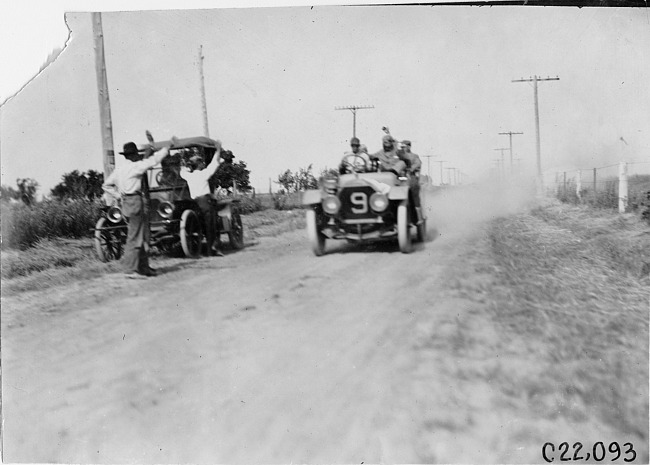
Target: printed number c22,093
597 453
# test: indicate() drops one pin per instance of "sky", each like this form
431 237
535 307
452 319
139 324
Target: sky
439 76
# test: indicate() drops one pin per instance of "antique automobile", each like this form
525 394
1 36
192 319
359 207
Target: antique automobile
174 217
363 204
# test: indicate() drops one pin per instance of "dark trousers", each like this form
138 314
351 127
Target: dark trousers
205 203
414 184
136 257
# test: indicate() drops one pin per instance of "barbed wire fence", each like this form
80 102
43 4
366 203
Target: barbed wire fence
624 186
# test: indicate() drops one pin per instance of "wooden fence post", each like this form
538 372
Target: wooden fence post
579 185
622 187
595 194
564 186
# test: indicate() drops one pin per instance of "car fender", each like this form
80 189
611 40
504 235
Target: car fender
311 197
399 193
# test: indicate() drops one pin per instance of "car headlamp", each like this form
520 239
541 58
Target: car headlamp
330 185
378 202
166 209
114 215
331 204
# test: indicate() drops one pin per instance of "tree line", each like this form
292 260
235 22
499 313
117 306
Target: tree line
77 185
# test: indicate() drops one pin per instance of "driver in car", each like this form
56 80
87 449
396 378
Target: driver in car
354 161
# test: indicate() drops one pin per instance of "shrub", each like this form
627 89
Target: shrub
248 205
23 226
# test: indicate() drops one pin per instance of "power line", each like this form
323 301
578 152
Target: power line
353 109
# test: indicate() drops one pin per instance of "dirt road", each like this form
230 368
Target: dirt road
273 355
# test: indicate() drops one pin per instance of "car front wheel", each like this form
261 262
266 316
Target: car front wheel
403 228
316 237
109 242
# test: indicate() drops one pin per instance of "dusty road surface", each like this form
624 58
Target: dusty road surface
271 355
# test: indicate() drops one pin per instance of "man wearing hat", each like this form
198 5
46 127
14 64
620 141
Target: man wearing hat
126 182
354 158
390 158
413 165
197 176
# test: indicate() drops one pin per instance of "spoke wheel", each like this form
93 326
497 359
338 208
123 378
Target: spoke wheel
190 234
403 228
109 243
316 237
236 233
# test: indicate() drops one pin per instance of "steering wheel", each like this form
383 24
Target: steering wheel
355 162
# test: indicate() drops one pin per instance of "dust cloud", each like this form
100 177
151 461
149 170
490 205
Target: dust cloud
462 209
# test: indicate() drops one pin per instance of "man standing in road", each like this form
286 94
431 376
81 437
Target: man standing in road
197 177
126 182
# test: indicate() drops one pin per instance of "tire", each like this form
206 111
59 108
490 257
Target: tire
236 233
316 238
109 243
403 228
190 233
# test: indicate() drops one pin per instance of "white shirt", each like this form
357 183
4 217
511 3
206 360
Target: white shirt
127 178
197 181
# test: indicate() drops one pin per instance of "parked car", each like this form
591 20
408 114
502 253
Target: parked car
363 204
174 217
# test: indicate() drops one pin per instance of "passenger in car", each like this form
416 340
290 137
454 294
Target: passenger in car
413 166
389 157
197 175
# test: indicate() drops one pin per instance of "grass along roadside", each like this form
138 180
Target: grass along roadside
571 284
57 261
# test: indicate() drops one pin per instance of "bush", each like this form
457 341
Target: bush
23 226
248 205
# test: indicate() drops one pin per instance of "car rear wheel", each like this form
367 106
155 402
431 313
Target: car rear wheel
236 233
403 228
316 237
190 234
109 242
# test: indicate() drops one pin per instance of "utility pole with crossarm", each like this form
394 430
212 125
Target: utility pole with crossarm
353 109
535 80
510 133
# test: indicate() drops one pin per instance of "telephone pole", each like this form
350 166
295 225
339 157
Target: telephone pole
428 157
534 80
503 163
441 162
353 109
510 133
105 121
204 106
449 175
